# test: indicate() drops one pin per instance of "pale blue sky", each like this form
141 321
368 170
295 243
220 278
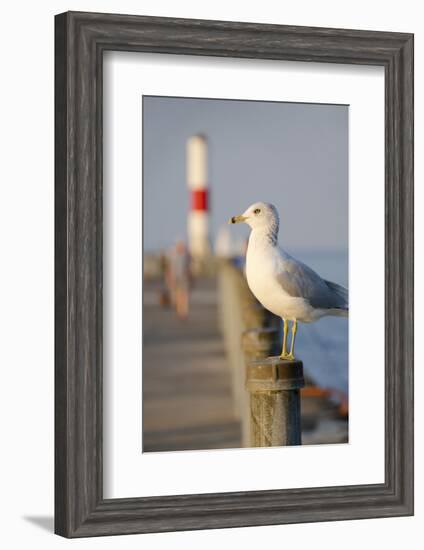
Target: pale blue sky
293 155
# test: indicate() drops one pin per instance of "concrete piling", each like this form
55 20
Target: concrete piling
274 387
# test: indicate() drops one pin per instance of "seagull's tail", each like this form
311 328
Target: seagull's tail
342 294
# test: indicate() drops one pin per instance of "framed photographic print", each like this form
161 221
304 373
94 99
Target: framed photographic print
234 274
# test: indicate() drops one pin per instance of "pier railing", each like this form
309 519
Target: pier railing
265 390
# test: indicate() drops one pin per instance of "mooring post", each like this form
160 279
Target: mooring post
274 387
257 343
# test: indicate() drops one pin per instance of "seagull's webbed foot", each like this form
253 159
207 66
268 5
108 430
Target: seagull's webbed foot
287 357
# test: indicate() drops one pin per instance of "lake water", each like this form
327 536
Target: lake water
323 346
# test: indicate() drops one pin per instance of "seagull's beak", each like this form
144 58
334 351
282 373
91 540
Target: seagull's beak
237 219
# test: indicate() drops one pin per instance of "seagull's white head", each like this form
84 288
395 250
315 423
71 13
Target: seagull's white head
260 215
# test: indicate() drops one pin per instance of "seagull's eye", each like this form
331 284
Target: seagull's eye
257 211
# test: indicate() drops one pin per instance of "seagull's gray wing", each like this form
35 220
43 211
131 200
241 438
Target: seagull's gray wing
300 281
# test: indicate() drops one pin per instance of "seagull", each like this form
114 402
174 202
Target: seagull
283 285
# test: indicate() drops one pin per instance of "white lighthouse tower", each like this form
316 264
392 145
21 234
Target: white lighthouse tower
198 217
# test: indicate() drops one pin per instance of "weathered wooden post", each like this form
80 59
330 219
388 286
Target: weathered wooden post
274 386
257 343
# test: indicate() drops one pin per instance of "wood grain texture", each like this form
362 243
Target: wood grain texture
80 509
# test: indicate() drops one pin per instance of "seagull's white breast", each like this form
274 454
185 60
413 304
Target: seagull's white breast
263 263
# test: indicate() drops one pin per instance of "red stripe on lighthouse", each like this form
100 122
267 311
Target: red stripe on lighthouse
199 199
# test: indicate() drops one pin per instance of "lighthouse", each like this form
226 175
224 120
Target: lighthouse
198 217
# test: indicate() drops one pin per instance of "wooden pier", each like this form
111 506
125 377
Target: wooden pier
187 395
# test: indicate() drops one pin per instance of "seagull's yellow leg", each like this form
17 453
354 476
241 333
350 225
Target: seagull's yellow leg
285 332
294 330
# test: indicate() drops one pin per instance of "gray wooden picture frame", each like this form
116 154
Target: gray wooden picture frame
80 40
